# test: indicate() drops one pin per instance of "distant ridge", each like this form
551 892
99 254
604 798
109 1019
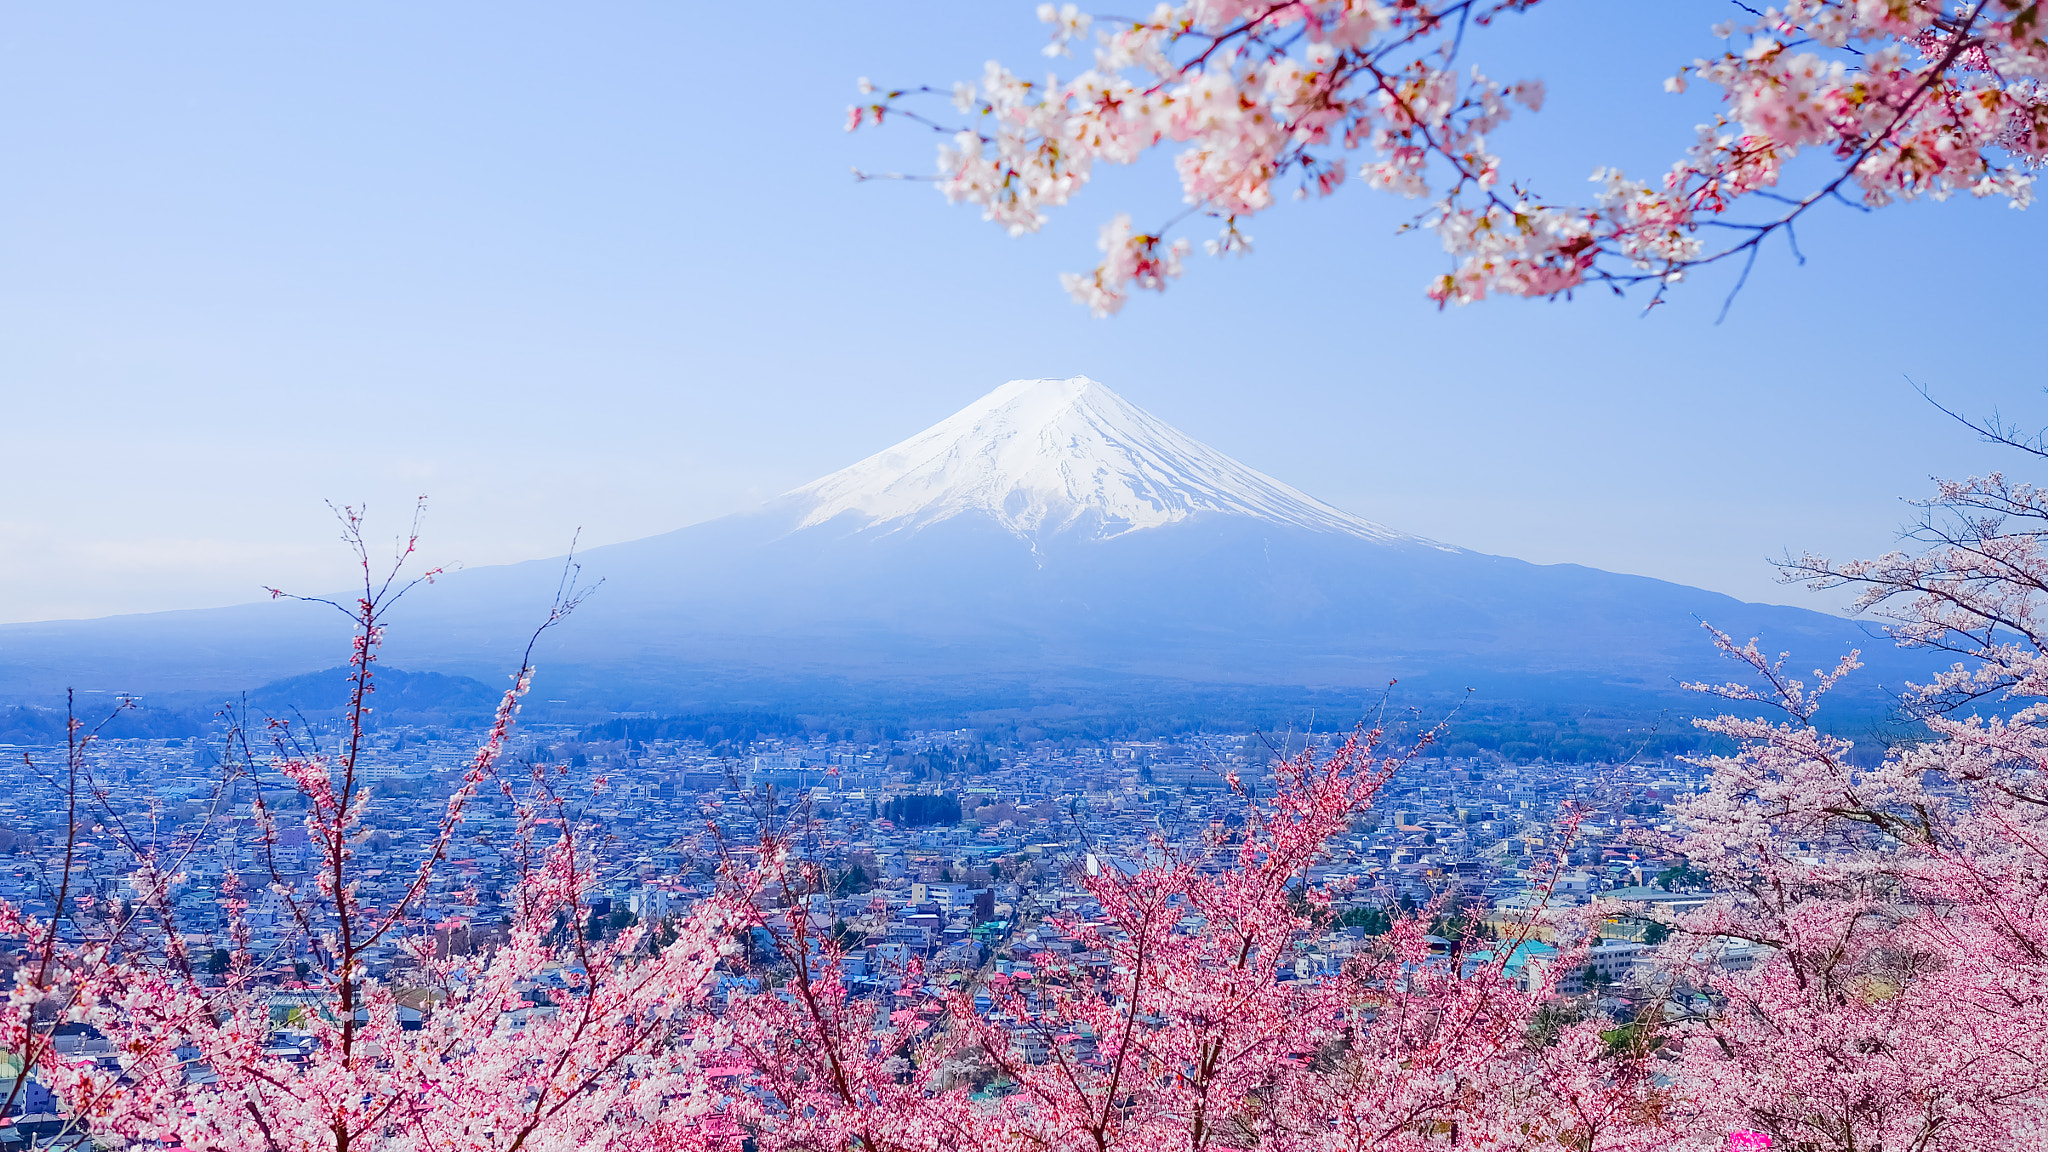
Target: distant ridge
401 697
398 695
1049 546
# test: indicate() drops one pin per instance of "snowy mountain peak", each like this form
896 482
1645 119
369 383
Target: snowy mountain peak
1047 455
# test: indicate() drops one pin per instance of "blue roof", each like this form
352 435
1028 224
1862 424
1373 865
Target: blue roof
1517 960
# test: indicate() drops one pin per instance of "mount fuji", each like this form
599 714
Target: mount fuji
1050 541
1045 457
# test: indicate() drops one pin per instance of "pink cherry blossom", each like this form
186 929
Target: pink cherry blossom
1920 98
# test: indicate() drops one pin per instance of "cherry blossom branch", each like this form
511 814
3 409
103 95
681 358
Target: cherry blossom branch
1255 90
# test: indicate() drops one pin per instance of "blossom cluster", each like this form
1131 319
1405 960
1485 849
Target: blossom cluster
1918 98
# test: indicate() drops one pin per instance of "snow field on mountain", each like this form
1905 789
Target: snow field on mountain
1044 456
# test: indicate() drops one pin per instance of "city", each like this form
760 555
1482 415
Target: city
939 847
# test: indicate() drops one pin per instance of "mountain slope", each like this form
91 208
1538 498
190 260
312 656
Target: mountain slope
1045 541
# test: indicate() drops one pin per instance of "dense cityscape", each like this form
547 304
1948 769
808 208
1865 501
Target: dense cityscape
940 848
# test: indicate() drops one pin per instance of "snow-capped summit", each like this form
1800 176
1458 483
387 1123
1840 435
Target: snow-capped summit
1050 455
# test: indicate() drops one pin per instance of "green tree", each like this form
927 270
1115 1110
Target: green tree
664 934
1681 875
1551 1020
854 881
1374 920
920 809
844 935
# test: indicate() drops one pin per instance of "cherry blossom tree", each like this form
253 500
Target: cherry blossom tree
53 975
1918 98
1896 908
545 1040
1892 920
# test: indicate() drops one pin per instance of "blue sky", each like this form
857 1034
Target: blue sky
604 266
